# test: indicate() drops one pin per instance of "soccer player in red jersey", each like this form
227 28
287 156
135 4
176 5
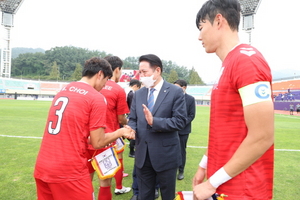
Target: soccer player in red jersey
77 113
115 115
240 155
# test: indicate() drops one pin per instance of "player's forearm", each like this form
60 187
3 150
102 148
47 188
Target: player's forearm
107 139
122 119
250 150
259 118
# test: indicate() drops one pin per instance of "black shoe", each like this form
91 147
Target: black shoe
180 176
134 197
156 194
131 155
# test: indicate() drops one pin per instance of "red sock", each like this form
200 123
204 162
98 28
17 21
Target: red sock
119 175
122 166
104 193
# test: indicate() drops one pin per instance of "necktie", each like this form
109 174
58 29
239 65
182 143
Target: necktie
151 100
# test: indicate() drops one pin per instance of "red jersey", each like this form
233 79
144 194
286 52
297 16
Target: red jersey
243 66
116 104
73 114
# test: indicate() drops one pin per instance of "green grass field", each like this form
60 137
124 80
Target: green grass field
27 119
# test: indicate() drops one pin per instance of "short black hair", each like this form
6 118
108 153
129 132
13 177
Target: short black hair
114 61
135 82
229 9
94 65
153 60
180 82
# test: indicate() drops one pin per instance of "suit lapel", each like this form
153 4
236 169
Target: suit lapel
161 96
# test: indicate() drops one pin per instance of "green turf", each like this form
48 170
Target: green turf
27 118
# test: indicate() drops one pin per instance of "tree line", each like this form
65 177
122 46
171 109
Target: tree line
66 63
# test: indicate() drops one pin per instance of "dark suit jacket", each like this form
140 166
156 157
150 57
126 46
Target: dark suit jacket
129 98
191 110
162 139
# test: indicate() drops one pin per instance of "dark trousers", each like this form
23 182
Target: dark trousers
147 177
183 141
131 146
135 186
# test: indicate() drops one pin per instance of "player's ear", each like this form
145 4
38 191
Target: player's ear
117 70
218 19
100 75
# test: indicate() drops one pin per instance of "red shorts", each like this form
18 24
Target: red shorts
79 189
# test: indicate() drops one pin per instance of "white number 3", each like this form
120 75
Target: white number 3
59 113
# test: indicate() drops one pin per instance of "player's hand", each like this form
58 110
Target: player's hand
148 115
109 145
203 191
199 176
128 132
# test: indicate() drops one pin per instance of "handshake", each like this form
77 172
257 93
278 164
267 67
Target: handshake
127 132
99 139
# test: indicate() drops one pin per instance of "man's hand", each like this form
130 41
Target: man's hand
128 132
148 115
199 176
203 191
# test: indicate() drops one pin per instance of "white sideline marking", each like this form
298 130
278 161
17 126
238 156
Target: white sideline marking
201 147
14 136
196 147
287 116
286 150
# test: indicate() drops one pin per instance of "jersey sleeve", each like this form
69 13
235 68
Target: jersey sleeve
122 106
252 77
250 69
98 113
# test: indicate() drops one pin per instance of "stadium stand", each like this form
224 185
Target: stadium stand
2 90
29 89
52 86
200 93
285 91
286 84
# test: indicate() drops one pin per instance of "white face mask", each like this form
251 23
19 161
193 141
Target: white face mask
148 81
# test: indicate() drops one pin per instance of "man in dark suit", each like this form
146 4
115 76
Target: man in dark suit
184 133
134 85
156 124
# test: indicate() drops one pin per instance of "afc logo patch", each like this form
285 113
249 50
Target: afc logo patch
261 91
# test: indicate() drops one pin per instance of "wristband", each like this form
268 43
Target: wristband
219 177
203 162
